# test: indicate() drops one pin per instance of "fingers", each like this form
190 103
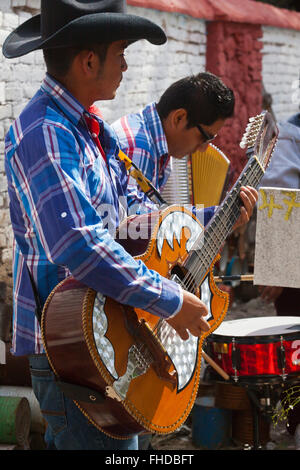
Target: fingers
190 318
249 198
198 330
182 333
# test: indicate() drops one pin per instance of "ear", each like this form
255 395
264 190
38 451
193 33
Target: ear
87 60
178 118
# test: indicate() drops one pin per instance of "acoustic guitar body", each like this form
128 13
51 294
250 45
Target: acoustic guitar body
147 374
135 372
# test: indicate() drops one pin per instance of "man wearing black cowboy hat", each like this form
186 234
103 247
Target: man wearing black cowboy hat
63 179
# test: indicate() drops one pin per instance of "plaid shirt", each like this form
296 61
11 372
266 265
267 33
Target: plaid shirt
142 138
65 203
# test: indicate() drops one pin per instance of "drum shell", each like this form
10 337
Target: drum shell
259 357
243 427
232 397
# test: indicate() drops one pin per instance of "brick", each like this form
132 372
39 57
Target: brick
13 93
5 5
3 35
18 3
10 20
7 256
34 4
3 239
5 111
2 93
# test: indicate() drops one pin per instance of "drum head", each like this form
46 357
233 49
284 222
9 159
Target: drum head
258 329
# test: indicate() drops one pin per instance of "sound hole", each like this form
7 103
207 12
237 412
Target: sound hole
183 277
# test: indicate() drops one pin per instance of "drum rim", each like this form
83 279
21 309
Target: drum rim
263 339
261 379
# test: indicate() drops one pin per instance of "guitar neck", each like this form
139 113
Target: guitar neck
212 238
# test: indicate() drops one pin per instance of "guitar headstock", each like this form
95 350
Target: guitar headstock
260 137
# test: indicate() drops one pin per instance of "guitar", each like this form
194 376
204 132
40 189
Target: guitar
127 370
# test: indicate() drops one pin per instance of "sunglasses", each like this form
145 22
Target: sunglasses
207 137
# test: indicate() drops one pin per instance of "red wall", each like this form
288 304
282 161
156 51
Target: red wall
234 54
238 11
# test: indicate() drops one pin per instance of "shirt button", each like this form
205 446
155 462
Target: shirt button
63 215
94 135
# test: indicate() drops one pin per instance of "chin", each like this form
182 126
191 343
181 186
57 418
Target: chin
109 97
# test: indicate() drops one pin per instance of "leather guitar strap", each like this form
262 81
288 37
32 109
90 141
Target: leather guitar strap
38 308
143 182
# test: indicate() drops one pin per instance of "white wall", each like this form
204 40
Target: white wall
151 69
281 69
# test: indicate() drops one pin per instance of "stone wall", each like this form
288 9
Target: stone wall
281 69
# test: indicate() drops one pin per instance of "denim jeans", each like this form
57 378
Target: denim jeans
67 427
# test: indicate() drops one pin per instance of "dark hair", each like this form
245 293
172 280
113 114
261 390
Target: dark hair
204 96
59 60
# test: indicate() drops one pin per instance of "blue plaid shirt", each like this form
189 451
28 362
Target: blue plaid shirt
65 203
142 138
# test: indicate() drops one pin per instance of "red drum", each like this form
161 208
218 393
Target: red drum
262 349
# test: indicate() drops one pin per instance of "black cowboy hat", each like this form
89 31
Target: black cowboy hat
75 22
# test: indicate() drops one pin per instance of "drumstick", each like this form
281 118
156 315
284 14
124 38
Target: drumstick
217 368
235 277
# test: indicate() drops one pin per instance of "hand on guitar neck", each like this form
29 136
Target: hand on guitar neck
249 198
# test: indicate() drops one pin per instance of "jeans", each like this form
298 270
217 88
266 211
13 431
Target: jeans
67 427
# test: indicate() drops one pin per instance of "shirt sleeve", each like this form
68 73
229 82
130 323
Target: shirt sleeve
284 168
70 230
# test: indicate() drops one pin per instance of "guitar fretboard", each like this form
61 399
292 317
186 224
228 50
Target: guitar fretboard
209 243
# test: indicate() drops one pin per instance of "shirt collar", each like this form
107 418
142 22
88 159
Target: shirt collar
63 98
156 129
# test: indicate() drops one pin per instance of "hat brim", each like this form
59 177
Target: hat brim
97 27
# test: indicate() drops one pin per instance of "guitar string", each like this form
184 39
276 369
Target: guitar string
224 225
256 172
227 219
225 222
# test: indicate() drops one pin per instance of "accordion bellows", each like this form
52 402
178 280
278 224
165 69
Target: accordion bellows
209 172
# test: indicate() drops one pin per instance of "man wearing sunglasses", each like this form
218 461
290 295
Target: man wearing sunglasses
187 117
